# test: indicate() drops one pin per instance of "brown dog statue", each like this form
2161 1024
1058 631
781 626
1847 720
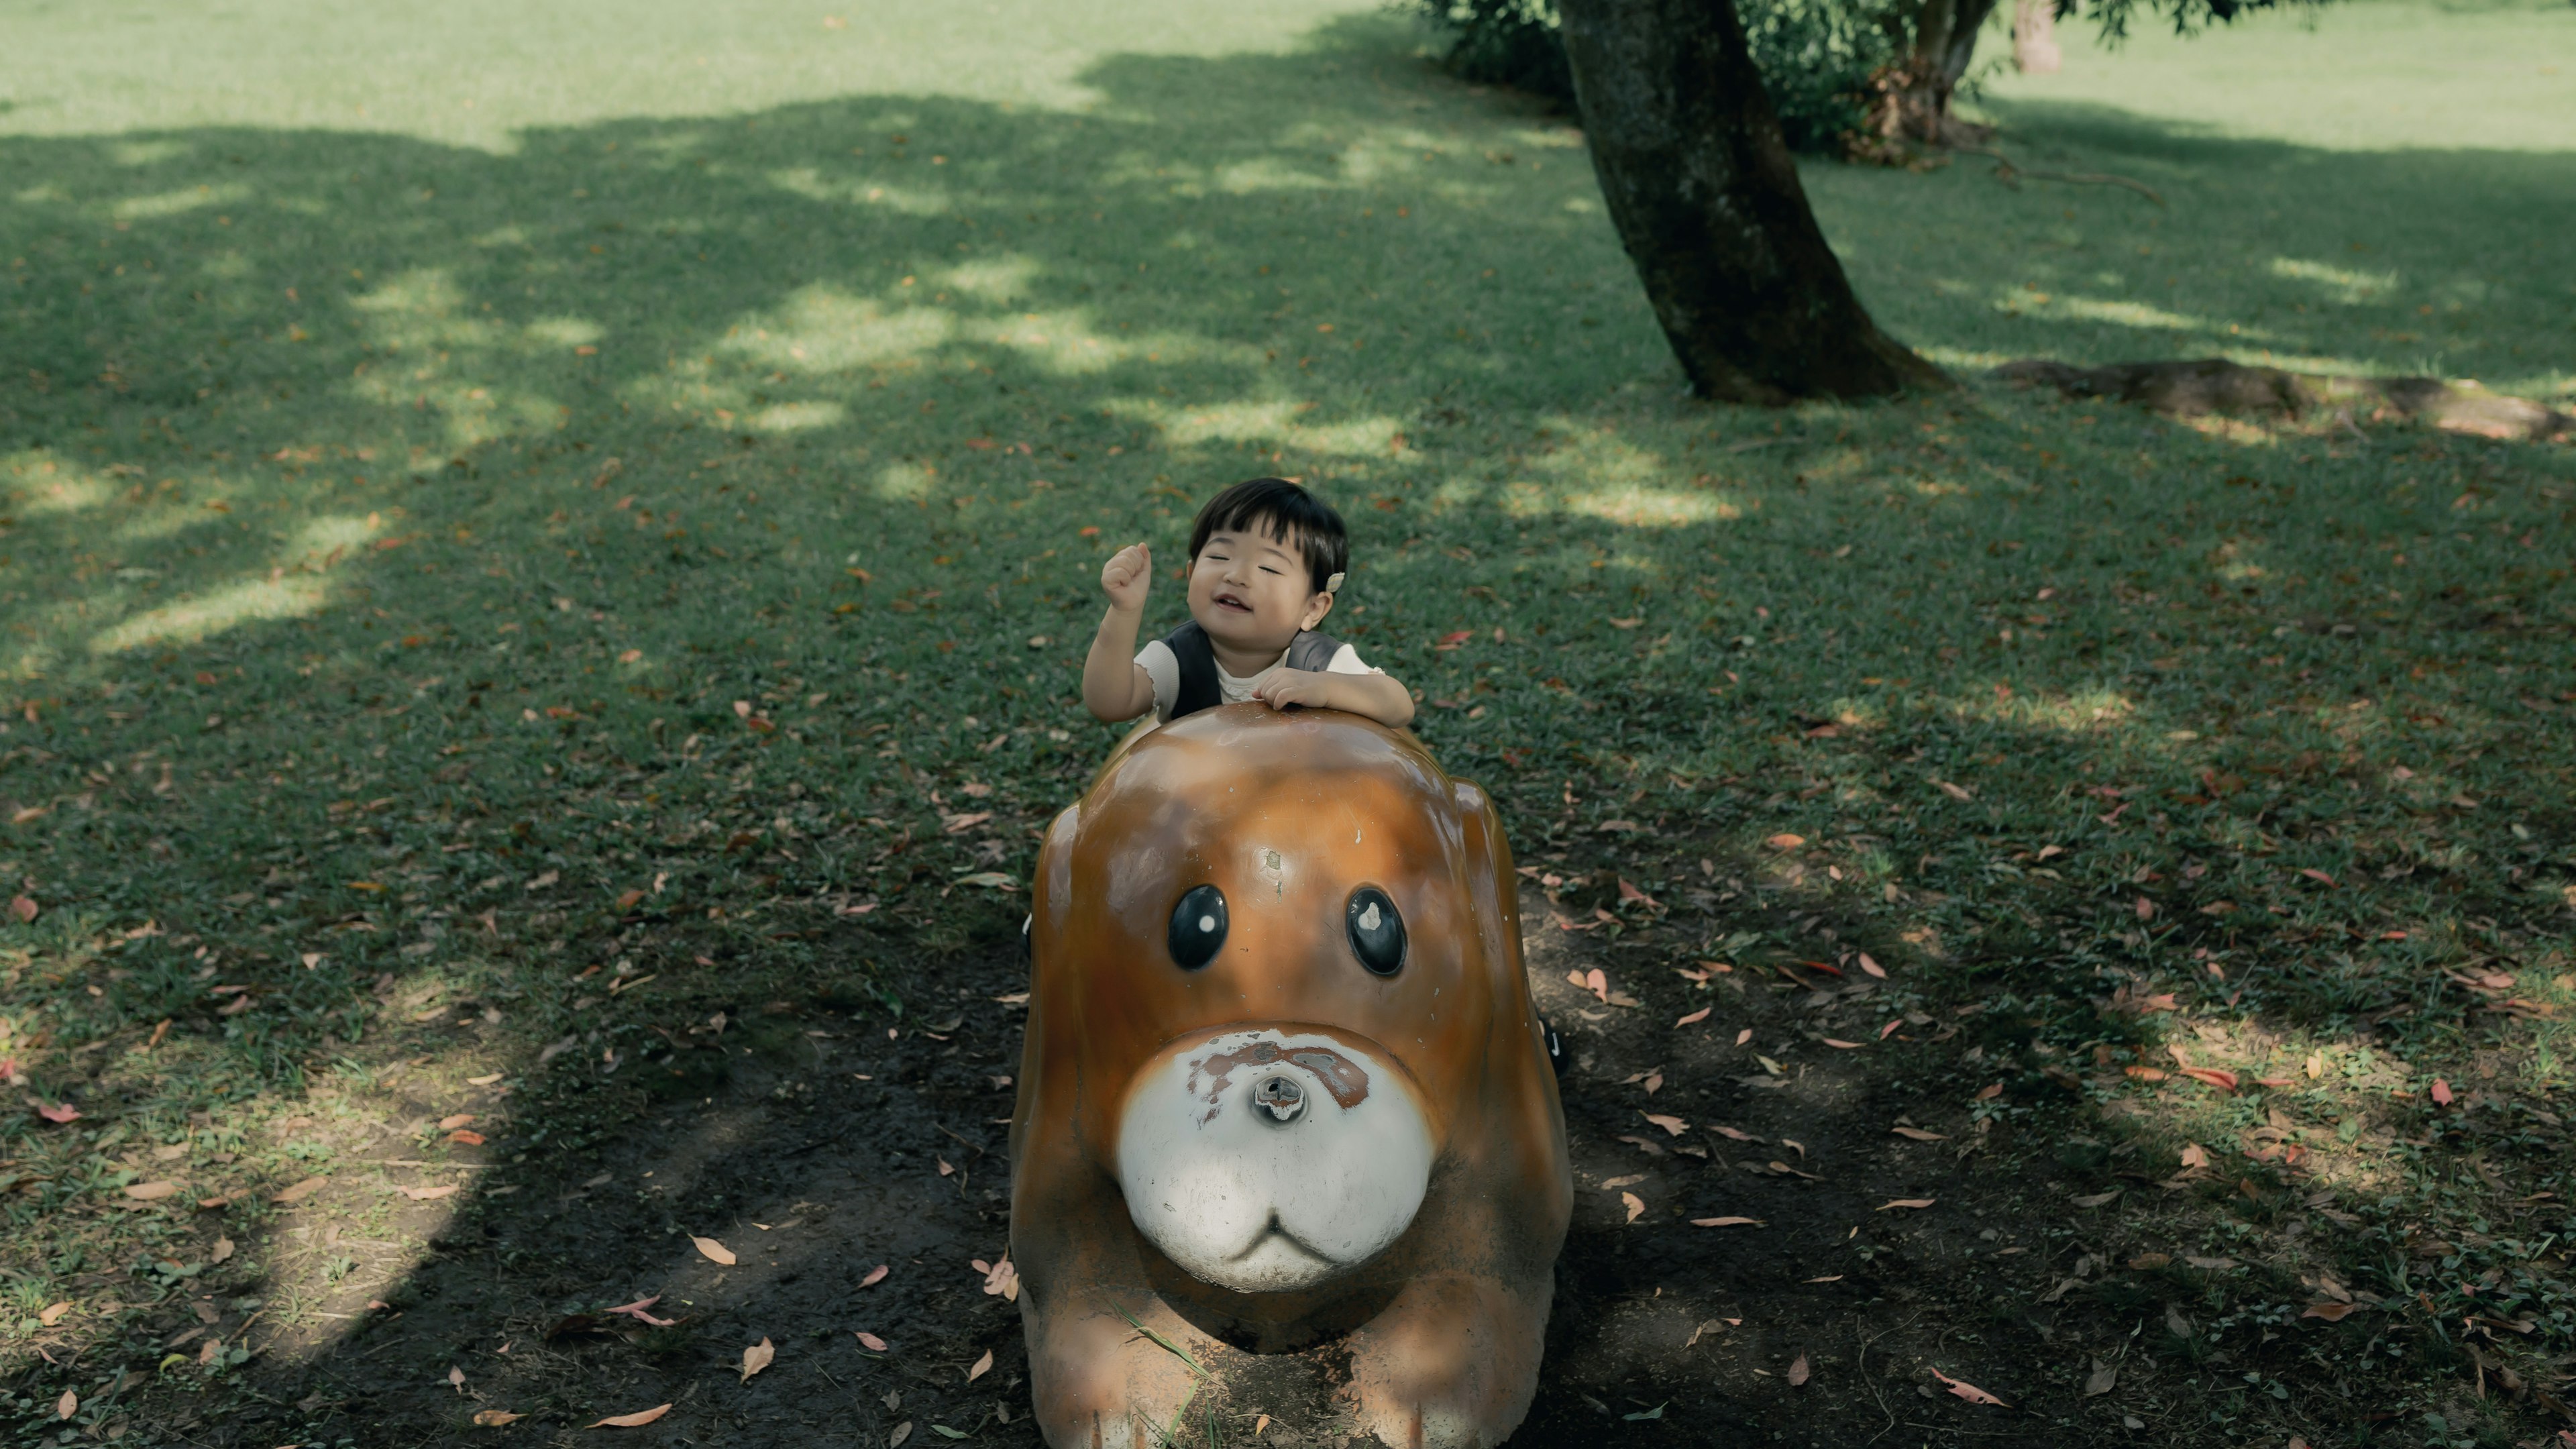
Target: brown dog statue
1283 1087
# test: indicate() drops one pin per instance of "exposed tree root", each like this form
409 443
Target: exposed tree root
2012 174
2216 385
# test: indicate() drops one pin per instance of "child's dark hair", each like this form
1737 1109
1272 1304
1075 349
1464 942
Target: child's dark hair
1280 509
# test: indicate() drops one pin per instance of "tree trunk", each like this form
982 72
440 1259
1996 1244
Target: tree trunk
1701 188
1914 96
2035 49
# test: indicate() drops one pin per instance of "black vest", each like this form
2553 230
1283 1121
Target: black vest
1189 644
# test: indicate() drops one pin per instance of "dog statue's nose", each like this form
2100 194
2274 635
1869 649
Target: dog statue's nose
1282 1098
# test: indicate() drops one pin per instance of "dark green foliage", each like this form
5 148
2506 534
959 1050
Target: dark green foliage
1816 56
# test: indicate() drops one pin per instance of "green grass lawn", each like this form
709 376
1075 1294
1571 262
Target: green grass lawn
464 467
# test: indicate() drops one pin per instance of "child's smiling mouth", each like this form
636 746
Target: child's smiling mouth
1229 600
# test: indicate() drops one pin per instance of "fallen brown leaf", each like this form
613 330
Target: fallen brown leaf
1785 841
1969 1391
152 1191
495 1418
2096 1199
461 1119
427 1194
870 1341
1907 1202
1918 1134
1673 1125
982 1367
1798 1371
223 1251
53 1313
1631 1180
1726 1222
2331 1312
2104 1378
633 1421
69 1403
875 1276
1872 967
302 1190
1636 1205
713 1251
756 1358
1696 1016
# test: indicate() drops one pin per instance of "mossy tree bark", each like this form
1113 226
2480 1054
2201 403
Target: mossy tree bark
1702 190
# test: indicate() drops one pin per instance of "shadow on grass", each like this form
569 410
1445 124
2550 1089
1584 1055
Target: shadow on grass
2430 260
658 557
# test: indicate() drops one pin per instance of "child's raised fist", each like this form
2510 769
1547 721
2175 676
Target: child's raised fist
1127 576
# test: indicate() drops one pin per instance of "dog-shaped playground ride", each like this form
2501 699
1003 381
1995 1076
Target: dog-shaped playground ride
1283 1087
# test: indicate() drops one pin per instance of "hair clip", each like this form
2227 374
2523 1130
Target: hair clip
1333 585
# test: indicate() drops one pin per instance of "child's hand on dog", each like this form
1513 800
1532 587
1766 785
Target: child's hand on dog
1284 687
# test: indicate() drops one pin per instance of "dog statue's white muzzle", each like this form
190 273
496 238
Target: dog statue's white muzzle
1271 1160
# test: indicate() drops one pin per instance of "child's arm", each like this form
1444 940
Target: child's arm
1114 686
1378 695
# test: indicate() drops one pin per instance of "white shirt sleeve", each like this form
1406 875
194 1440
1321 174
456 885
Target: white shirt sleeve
1164 668
1345 660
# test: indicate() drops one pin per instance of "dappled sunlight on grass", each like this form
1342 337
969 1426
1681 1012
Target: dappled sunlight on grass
822 330
46 486
797 417
1072 343
2078 711
996 279
1281 423
1638 507
230 607
2347 285
173 203
813 185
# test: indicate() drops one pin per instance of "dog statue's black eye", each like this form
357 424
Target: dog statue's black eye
1198 926
1377 932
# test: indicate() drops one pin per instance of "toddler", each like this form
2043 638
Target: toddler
1266 558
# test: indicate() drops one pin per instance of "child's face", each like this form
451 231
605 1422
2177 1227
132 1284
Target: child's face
1252 592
